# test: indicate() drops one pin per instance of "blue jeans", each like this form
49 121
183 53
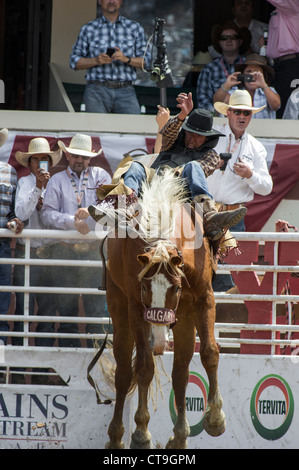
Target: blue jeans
192 173
101 99
5 280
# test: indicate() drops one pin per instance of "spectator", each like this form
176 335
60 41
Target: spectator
189 148
28 205
199 61
110 48
8 185
231 41
292 108
259 89
283 47
243 17
67 192
246 172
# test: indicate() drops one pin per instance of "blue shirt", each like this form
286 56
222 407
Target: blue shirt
96 36
212 76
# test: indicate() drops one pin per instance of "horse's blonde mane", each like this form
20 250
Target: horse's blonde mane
159 203
161 258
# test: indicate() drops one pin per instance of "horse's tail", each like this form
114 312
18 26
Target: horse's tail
107 367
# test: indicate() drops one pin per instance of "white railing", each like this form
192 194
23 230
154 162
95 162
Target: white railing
220 297
55 236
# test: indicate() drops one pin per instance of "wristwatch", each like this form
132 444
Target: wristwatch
129 60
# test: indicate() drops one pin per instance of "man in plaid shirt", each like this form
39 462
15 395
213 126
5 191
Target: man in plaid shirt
8 184
231 42
110 48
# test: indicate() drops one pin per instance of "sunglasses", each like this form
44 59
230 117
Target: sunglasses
226 37
238 112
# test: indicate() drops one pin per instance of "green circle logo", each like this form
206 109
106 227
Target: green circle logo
196 403
272 407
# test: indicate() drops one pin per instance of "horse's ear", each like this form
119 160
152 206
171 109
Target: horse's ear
144 259
177 260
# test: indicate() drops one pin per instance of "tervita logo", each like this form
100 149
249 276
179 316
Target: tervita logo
272 407
196 403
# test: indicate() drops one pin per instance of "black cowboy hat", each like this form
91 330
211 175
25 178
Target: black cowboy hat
244 34
200 122
256 59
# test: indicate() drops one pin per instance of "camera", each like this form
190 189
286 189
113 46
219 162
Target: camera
225 157
245 78
44 165
160 71
110 51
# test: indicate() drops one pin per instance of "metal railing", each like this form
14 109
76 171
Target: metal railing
221 297
55 236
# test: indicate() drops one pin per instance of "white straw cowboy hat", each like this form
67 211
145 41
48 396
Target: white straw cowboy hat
37 146
240 99
80 144
3 136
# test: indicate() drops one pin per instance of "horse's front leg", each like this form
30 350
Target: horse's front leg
184 342
122 348
141 438
214 420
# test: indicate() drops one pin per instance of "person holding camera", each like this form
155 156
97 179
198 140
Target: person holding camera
246 173
111 48
39 159
232 43
255 76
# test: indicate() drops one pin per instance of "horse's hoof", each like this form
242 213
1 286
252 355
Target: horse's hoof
173 444
215 429
111 445
141 440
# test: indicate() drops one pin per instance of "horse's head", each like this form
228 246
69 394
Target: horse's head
161 285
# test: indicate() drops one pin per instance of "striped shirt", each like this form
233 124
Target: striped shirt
212 76
170 132
96 36
8 185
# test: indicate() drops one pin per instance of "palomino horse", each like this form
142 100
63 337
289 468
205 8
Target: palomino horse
156 280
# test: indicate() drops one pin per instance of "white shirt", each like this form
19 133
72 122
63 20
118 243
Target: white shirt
227 187
27 196
60 202
291 111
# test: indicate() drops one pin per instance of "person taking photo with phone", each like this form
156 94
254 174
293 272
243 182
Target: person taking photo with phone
39 159
111 48
255 76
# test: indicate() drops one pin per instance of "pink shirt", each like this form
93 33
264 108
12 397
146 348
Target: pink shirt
283 28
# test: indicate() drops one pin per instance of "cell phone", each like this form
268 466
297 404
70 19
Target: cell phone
110 51
44 165
225 157
245 78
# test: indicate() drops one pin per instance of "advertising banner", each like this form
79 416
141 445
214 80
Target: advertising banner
260 402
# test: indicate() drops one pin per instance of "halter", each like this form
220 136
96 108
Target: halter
160 315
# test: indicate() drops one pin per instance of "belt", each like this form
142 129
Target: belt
80 247
286 57
111 84
230 207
